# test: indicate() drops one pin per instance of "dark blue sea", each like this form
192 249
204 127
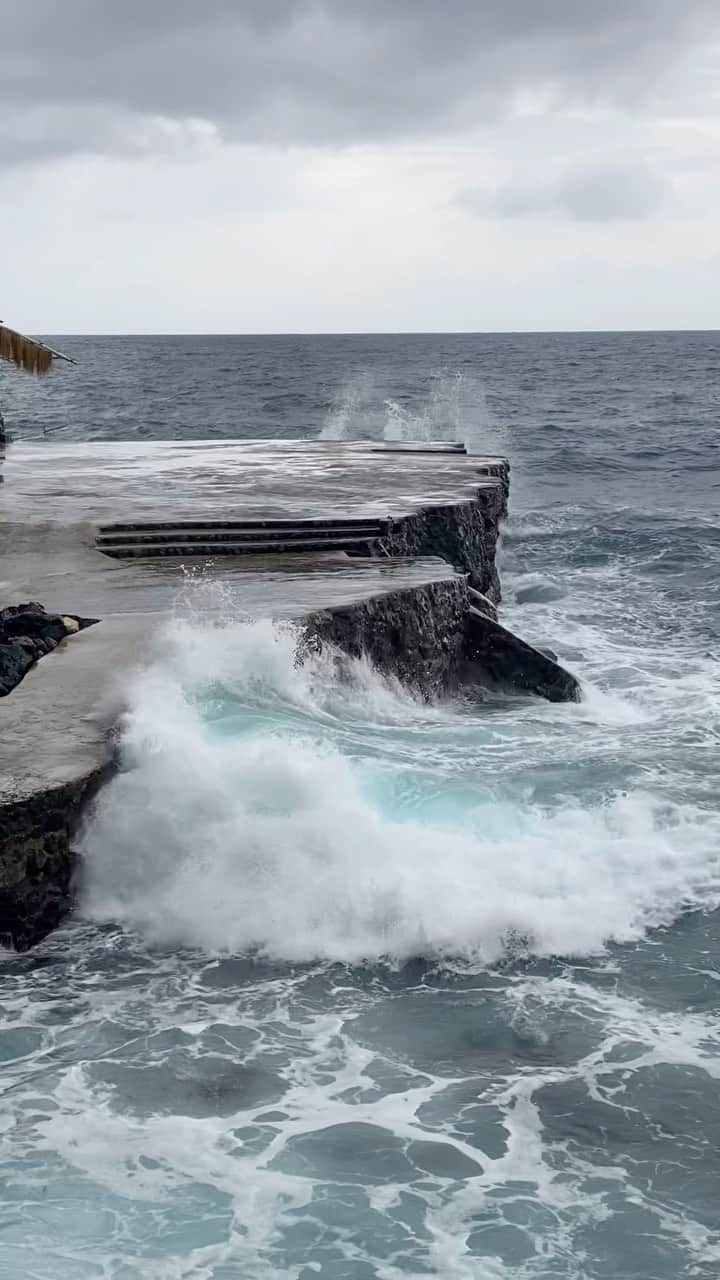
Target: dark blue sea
364 989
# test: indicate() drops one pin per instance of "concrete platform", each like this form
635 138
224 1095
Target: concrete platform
60 502
91 483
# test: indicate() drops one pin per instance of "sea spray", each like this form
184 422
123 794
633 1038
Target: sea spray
453 408
288 809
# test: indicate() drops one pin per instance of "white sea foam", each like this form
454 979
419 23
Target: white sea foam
264 806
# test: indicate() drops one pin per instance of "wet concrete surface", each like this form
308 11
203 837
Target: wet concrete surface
82 581
53 726
55 496
98 483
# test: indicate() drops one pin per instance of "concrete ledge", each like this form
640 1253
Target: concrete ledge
56 749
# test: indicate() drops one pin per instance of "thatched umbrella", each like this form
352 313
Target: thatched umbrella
28 353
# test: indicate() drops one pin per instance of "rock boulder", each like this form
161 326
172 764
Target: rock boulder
27 633
495 656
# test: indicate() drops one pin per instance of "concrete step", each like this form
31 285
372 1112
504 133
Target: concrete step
310 524
255 547
418 446
218 533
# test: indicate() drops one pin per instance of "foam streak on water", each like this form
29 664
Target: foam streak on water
364 1095
364 989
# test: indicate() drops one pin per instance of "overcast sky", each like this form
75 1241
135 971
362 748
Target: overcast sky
323 165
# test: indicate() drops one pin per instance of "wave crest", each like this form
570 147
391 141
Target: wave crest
299 812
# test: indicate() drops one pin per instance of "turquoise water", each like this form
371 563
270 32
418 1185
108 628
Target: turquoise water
363 988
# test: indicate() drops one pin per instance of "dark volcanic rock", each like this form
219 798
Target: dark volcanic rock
463 533
435 638
495 655
34 624
37 861
27 633
15 662
415 635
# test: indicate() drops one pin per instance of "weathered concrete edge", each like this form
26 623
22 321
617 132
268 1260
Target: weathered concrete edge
45 792
37 857
463 531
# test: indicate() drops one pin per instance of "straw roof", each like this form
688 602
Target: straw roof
33 357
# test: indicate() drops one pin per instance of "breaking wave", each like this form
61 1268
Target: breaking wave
308 811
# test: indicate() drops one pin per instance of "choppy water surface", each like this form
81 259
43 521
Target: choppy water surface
361 988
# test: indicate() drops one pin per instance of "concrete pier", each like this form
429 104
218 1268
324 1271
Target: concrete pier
61 504
368 547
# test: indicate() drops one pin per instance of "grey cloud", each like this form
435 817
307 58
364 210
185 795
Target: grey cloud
318 71
604 193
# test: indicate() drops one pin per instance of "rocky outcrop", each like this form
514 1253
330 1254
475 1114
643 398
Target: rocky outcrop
415 635
497 657
437 639
37 859
27 633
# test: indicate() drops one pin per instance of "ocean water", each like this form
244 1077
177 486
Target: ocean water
361 988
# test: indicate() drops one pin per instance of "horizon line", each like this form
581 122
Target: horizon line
359 333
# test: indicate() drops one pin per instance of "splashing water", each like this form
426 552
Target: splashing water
286 1113
277 808
453 409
